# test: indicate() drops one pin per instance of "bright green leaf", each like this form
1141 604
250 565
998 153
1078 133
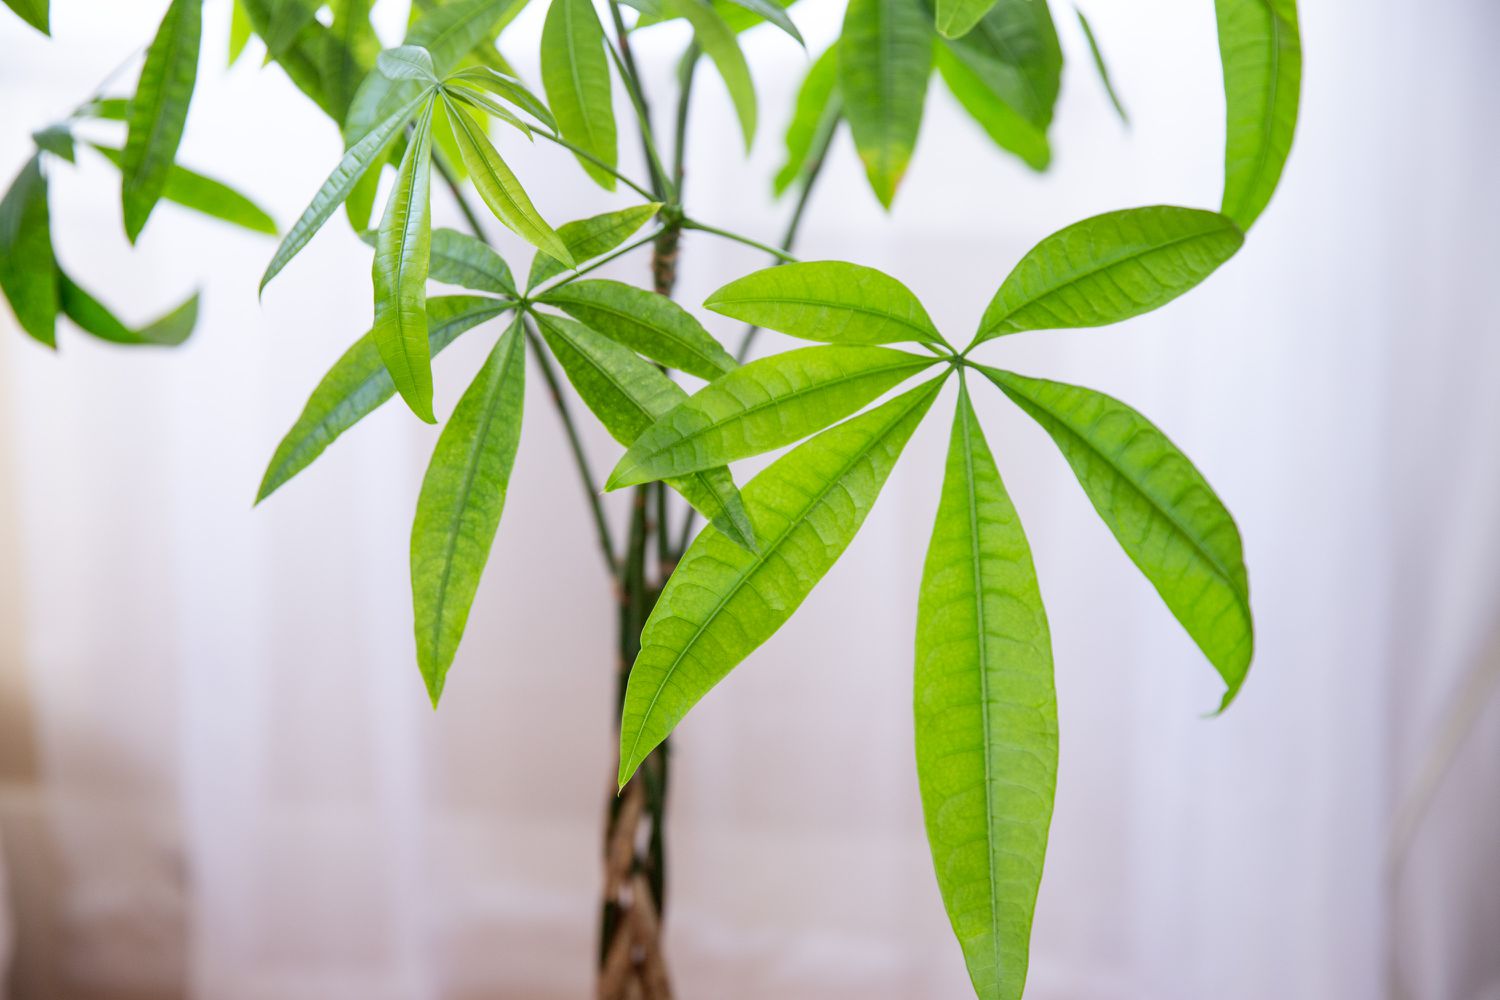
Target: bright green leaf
764 405
460 259
459 508
36 13
723 601
159 111
575 74
1261 48
402 251
816 112
1161 510
718 41
28 269
956 18
1005 126
645 322
94 317
986 715
885 57
508 88
1101 66
1109 268
408 62
590 238
206 195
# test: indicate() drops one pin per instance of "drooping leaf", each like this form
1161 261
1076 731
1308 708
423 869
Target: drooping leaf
986 715
1101 65
575 74
350 47
718 41
1013 51
1261 49
507 88
93 317
28 269
206 195
645 322
628 394
484 104
500 189
723 601
1005 126
1161 510
407 62
1109 268
460 259
816 112
403 249
459 508
358 384
159 110
590 238
340 183
827 300
36 13
774 13
57 140
885 57
764 405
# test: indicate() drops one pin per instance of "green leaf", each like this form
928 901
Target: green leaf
1110 268
28 269
773 12
816 112
575 74
500 189
1161 510
512 90
485 105
287 21
590 238
1101 65
764 405
36 13
1013 51
885 57
350 47
340 184
460 259
1003 124
723 601
830 301
159 111
715 38
240 31
206 195
1261 48
94 317
454 30
57 140
628 395
403 249
956 18
358 384
458 510
986 715
408 62
645 322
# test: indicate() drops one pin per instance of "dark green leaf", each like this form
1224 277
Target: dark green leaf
484 104
460 259
773 12
1014 53
716 39
34 12
204 194
590 238
349 49
645 322
159 111
28 270
55 139
816 112
452 31
93 317
1101 65
885 57
575 74
1261 48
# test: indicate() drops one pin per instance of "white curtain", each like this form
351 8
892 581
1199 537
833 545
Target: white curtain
244 796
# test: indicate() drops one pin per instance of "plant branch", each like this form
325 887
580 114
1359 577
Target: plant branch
575 275
782 257
585 154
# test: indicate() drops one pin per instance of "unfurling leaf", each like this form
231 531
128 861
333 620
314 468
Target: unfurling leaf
460 259
459 508
1261 48
716 39
815 115
212 198
885 57
94 317
28 269
627 394
1101 66
1110 268
590 238
645 322
830 301
764 405
159 110
402 250
36 13
575 74
358 384
723 601
1161 510
493 81
986 715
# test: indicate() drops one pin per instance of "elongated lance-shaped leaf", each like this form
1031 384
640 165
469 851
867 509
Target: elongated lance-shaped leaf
718 41
1161 510
628 394
590 238
402 250
645 322
1261 49
1005 126
159 110
828 300
485 105
885 58
986 715
407 62
458 510
452 31
575 74
460 259
956 18
351 48
1013 50
93 317
36 13
1101 66
815 113
505 87
1110 268
500 189
723 601
28 269
340 183
773 12
212 198
358 384
764 405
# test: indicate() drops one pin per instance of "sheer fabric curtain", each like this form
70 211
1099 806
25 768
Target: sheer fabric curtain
245 797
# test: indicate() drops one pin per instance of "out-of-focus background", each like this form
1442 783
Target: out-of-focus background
221 778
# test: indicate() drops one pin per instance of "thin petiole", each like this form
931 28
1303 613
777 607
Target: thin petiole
780 255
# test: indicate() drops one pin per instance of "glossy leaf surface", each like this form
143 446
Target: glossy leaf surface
1005 126
774 13
402 251
590 238
28 269
645 322
353 46
460 259
407 62
159 110
575 74
93 317
1261 49
885 57
452 30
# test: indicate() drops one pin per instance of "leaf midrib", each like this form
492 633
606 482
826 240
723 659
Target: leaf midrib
561 295
854 307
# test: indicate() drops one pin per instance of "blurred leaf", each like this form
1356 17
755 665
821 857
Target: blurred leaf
240 31
462 498
885 57
93 317
1161 510
351 46
407 62
460 259
28 269
764 405
159 111
1261 48
487 106
723 601
36 13
287 20
645 322
1013 51
817 110
590 238
57 140
716 39
1002 123
575 74
1101 65
206 195
773 13
986 715
956 18
1109 268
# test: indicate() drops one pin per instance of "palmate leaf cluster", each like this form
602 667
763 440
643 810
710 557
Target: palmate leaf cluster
442 107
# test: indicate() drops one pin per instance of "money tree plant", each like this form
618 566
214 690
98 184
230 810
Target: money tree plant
444 102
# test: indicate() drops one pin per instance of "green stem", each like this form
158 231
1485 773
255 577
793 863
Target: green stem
575 275
782 257
685 73
585 154
625 62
